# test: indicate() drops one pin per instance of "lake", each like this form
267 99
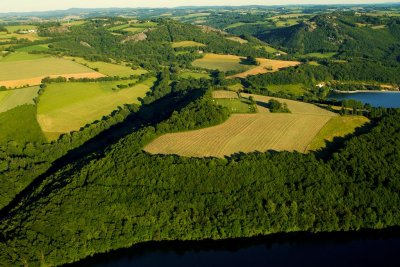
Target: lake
375 248
375 99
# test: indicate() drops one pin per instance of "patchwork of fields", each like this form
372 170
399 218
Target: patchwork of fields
249 132
25 69
233 63
66 107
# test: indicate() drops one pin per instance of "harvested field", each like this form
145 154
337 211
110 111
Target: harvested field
224 94
267 65
31 72
237 39
243 133
187 44
249 132
14 98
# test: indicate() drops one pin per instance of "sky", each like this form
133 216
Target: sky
44 5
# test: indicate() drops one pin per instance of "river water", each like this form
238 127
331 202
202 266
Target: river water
376 248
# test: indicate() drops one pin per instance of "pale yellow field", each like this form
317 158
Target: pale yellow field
237 39
248 133
187 44
267 65
224 94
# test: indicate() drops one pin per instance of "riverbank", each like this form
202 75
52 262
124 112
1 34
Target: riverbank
364 91
364 248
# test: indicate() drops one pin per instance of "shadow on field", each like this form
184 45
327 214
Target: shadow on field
147 115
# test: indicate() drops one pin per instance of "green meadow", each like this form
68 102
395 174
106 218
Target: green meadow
66 107
14 98
19 124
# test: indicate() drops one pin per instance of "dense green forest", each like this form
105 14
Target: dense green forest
125 200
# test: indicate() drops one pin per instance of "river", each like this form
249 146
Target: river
375 99
374 248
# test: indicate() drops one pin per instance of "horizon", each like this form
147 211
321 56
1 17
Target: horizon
47 6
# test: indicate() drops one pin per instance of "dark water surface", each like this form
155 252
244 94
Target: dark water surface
376 99
376 248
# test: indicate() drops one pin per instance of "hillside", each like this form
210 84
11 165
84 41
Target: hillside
347 34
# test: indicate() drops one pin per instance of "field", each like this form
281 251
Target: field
187 44
14 98
237 39
220 94
236 105
292 89
337 127
195 75
17 73
67 107
36 48
17 28
19 124
267 65
133 29
20 56
249 132
109 69
220 62
321 55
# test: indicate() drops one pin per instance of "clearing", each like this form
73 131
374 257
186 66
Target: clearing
237 39
249 132
14 98
187 44
291 89
66 107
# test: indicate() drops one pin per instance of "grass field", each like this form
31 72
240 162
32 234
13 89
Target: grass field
67 107
14 98
30 72
34 48
17 28
321 55
336 127
220 62
20 56
19 124
187 44
292 89
235 105
249 132
133 29
195 75
109 69
237 39
266 65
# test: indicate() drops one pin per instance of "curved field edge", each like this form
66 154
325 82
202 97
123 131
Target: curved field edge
337 127
245 133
